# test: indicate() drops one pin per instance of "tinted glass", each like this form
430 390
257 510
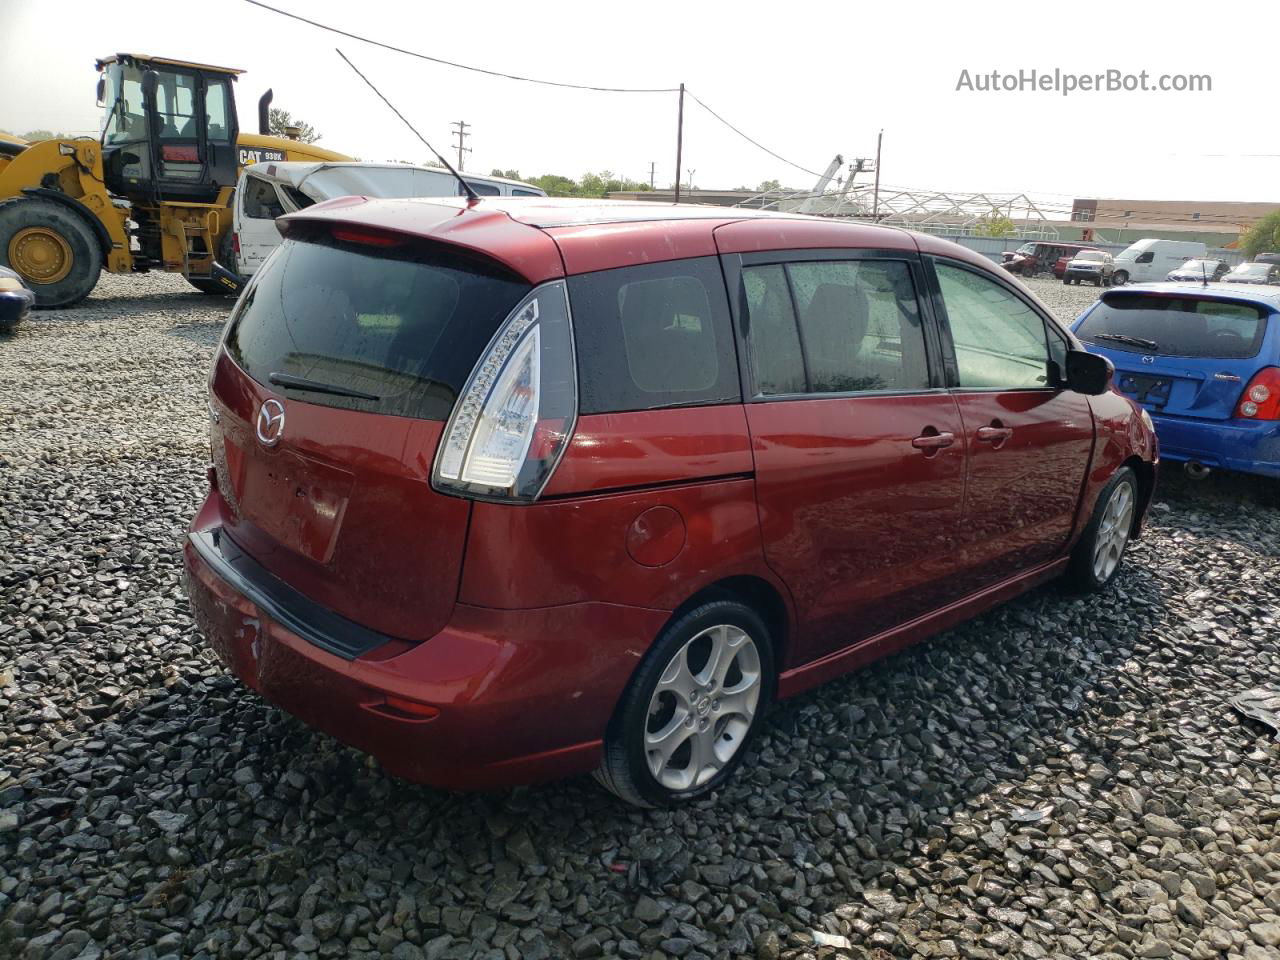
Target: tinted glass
859 326
405 327
260 200
999 340
773 339
176 105
517 192
653 336
215 109
485 189
1175 326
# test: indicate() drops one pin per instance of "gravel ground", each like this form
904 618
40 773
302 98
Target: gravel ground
1062 777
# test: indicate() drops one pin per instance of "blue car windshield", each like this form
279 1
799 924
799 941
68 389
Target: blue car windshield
1175 326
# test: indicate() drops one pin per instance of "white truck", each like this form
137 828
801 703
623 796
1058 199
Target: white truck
1153 259
269 190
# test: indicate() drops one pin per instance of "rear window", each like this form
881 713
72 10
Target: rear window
653 336
403 325
1175 326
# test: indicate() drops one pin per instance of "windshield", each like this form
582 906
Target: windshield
1027 248
1251 270
397 330
1175 326
1091 256
1195 266
124 120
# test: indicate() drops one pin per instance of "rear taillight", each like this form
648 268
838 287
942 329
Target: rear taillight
514 418
235 244
1261 398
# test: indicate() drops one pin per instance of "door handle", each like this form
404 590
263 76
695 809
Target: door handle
996 436
933 441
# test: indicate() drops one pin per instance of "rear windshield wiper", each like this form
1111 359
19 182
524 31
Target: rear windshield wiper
1142 342
315 386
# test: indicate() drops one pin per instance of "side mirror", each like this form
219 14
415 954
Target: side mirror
1088 373
102 91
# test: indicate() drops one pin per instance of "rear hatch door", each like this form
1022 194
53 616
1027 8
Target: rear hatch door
1181 353
330 394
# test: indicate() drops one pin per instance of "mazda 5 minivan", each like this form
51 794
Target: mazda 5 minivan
518 489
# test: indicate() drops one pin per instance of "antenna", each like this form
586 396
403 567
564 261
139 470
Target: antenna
1204 272
472 196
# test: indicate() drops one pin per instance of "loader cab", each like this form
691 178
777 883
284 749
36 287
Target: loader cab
169 128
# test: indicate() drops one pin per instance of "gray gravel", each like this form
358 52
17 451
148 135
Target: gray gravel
1062 777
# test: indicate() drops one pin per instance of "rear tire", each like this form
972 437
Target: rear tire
53 249
688 715
1097 556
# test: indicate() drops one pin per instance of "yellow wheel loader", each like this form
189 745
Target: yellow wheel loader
152 193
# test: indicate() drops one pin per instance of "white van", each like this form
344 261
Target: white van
269 190
1153 259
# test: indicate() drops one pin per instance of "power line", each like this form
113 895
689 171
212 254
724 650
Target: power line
460 66
776 156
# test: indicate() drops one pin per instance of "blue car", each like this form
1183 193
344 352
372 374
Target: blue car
1204 361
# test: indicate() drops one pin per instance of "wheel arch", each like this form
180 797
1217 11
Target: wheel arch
1145 471
761 596
78 209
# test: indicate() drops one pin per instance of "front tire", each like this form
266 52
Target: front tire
692 708
52 248
1097 555
1119 278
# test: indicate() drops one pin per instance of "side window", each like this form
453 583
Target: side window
859 324
260 200
653 336
485 189
999 340
299 199
773 339
517 192
176 104
215 109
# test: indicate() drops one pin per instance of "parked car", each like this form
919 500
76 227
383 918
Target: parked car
1267 258
1038 256
1152 259
16 300
494 500
1204 361
1094 266
266 191
1266 273
1205 271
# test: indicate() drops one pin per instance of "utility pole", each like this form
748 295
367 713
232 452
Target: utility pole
875 197
691 173
679 142
460 131
651 169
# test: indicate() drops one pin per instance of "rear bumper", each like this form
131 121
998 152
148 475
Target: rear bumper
1241 445
520 695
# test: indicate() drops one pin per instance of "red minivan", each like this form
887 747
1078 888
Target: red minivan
518 489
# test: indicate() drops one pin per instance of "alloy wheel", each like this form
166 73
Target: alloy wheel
1113 532
702 707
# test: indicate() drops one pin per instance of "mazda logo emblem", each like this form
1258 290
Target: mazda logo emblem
1148 359
270 422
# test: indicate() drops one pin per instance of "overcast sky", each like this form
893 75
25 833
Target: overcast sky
808 80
